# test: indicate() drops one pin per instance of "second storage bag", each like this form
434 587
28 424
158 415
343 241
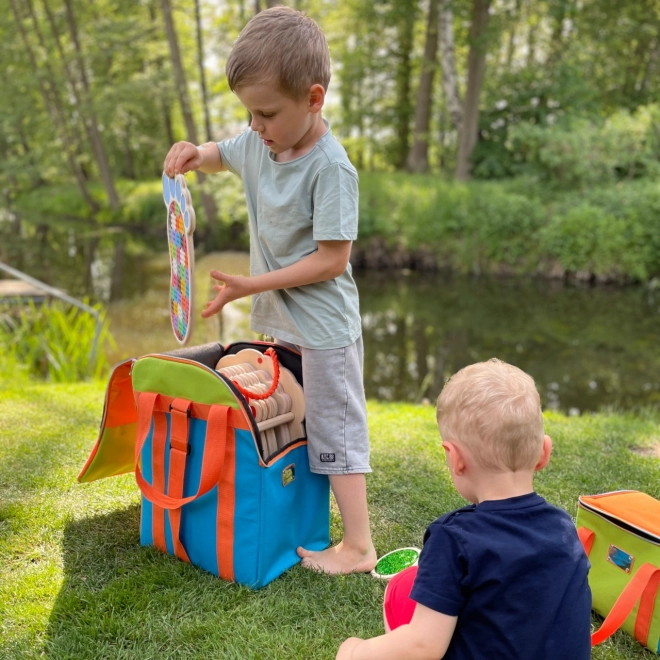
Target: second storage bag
620 532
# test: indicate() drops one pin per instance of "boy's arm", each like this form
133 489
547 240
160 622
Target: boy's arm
326 263
185 156
426 637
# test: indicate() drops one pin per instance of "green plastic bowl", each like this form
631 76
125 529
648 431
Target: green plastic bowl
394 562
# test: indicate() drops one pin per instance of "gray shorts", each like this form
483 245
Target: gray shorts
335 409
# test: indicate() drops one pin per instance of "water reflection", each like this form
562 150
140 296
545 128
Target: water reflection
586 347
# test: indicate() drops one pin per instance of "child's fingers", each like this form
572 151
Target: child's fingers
222 277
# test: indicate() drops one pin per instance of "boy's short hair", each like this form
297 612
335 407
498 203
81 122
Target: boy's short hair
280 44
494 409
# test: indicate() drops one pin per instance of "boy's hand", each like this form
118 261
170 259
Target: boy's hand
345 651
181 158
233 288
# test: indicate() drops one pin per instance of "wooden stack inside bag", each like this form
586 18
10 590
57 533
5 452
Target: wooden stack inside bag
279 417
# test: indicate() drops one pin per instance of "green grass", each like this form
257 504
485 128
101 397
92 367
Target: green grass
75 583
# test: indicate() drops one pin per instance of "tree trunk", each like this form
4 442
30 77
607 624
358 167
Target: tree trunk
418 158
53 104
449 75
403 113
476 68
182 89
202 73
511 46
89 116
80 89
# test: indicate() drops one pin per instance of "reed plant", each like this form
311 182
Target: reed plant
54 342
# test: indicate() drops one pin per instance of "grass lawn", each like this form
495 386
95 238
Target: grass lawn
75 583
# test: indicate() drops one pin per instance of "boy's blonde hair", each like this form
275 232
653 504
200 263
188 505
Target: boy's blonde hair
283 45
494 410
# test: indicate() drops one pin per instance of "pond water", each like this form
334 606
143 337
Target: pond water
586 347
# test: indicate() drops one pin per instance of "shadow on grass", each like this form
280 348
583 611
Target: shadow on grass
122 601
118 599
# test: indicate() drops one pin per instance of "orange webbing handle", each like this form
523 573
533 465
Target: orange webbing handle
276 380
643 585
212 461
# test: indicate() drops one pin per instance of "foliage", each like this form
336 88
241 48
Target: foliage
56 342
74 581
612 232
584 153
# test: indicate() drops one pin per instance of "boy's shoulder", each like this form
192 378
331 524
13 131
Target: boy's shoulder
330 151
530 511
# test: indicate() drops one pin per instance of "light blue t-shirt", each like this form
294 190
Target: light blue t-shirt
291 206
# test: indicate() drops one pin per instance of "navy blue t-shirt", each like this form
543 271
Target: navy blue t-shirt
514 573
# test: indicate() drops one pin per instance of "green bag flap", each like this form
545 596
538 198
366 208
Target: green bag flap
181 378
114 450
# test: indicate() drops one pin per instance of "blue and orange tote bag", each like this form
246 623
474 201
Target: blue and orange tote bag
213 493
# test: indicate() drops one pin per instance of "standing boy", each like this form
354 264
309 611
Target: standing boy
504 578
302 199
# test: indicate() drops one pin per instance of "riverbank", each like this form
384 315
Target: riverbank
518 226
74 581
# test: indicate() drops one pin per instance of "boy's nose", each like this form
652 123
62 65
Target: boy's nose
255 126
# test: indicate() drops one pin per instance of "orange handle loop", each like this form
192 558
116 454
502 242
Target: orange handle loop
276 380
212 461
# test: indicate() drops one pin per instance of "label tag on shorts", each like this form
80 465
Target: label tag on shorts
327 458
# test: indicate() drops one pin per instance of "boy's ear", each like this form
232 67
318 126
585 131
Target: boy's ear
455 457
316 98
545 453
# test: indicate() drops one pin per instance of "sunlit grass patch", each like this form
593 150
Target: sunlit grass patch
75 583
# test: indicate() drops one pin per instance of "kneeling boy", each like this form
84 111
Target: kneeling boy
505 577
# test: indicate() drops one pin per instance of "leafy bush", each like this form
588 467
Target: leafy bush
469 227
582 152
611 231
54 342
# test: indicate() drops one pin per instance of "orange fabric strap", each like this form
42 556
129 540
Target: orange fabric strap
217 425
646 606
644 585
158 468
155 496
586 537
237 418
178 452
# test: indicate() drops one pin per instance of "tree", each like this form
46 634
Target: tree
53 103
448 62
418 157
79 86
186 107
476 67
202 73
404 13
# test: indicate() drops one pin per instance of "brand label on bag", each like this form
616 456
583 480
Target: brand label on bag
327 458
619 558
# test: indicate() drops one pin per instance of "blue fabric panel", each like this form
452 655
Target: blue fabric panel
198 519
246 509
146 518
291 515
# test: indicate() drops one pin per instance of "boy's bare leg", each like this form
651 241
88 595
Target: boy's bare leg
355 553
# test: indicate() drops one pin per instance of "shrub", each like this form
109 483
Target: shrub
581 152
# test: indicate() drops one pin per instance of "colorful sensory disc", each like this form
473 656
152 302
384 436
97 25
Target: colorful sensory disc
394 562
180 228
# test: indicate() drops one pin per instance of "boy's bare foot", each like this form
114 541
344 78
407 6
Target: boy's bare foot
338 560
